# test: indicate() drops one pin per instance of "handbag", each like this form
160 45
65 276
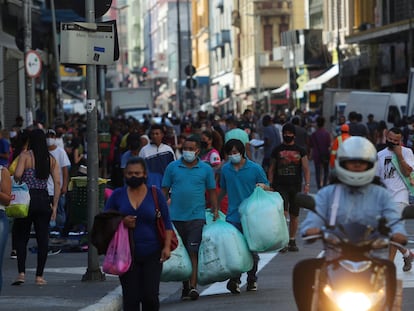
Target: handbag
161 225
20 200
118 257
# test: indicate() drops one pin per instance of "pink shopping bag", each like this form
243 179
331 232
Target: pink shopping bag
118 257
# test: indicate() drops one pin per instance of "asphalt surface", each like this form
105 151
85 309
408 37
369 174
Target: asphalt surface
66 291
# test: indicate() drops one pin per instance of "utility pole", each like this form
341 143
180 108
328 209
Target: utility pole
179 97
338 40
59 105
30 82
93 272
190 53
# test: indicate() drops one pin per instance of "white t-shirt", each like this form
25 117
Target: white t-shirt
389 175
62 160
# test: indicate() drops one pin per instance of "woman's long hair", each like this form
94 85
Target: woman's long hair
20 142
37 143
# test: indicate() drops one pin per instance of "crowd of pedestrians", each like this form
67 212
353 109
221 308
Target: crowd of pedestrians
202 161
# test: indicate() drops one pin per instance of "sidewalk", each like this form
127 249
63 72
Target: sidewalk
65 290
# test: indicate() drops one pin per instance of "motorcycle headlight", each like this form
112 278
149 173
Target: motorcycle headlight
354 301
355 266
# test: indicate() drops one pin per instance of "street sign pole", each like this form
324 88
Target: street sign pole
30 81
93 272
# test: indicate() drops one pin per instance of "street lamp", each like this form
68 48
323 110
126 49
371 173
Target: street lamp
118 10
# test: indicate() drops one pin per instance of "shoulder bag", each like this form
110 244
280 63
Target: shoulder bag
20 200
161 225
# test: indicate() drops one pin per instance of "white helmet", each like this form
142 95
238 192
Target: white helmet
356 148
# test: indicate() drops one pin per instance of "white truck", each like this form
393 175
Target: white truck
130 102
390 107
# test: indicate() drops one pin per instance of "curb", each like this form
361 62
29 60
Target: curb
111 302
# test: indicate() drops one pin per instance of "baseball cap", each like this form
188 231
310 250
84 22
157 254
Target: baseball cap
50 132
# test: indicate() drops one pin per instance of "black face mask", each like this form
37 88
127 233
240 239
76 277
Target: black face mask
288 139
390 144
135 182
203 145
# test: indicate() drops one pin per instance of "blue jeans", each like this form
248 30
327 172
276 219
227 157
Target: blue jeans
4 232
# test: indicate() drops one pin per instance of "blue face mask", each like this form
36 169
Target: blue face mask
189 156
235 158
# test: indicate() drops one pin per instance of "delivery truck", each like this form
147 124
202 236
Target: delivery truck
390 107
130 102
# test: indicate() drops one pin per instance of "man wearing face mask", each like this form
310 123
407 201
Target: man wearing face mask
289 165
186 180
238 179
64 163
395 164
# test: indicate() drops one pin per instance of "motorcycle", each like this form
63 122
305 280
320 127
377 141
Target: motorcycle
349 276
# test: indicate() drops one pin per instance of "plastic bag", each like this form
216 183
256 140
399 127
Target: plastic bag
263 221
118 256
20 200
209 216
223 253
178 267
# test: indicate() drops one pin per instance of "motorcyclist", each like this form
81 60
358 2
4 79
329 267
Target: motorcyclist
362 199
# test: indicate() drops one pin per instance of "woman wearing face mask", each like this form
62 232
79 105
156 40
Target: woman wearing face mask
211 144
238 179
140 285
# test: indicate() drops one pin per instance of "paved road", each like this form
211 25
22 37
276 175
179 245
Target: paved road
65 291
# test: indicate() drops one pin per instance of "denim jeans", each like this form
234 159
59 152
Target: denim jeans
4 232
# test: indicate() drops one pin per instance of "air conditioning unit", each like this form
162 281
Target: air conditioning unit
237 66
278 53
235 19
264 59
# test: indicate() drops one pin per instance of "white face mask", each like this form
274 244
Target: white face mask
50 142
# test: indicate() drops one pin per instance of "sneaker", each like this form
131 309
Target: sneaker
193 294
251 286
53 251
185 294
233 287
292 246
284 249
407 262
13 255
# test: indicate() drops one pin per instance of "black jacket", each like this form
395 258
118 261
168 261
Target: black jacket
104 226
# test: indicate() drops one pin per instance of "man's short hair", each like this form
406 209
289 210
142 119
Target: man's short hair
289 127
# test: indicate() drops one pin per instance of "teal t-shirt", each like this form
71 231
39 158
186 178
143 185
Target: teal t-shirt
188 187
240 185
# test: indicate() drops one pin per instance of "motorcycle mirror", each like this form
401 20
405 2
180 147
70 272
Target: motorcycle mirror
408 212
305 201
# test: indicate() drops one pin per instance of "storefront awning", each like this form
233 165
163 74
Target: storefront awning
7 41
281 89
222 102
316 83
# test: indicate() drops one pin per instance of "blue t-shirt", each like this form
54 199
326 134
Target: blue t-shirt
188 187
145 233
240 185
4 148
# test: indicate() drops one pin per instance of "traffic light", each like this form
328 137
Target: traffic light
293 76
144 71
190 83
